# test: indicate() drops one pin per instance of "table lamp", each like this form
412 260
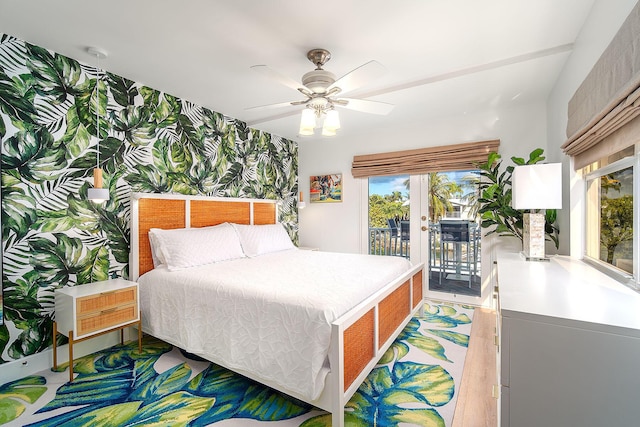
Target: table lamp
536 187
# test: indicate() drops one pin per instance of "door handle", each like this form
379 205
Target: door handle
423 228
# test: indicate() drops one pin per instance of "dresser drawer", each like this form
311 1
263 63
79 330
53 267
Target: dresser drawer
104 301
105 319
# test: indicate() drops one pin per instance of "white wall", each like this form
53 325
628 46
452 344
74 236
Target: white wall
337 227
603 22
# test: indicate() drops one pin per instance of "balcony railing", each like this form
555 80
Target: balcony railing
385 241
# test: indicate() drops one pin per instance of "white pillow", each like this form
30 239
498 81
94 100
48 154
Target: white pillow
156 252
190 247
263 239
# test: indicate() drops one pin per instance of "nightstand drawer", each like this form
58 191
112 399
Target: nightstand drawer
106 300
92 309
106 318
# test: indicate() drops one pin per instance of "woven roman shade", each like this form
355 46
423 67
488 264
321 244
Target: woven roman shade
424 160
606 104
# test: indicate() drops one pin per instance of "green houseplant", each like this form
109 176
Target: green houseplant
495 198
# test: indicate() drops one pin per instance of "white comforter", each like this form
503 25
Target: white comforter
270 315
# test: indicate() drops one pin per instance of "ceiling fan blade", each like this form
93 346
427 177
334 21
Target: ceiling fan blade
366 106
276 76
359 76
272 106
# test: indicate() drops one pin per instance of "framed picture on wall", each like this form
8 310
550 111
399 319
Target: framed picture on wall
326 188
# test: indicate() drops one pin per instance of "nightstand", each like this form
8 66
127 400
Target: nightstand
86 311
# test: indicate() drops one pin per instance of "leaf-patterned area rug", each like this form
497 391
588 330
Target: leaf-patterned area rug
415 383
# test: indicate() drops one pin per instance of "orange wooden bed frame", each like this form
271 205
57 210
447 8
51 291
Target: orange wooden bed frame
358 338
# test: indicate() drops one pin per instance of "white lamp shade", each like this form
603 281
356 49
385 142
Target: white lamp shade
98 195
307 122
328 132
537 186
332 120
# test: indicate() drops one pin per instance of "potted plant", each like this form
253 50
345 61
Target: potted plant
495 198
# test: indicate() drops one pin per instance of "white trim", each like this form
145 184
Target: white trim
633 280
134 269
613 167
170 196
636 221
417 209
364 215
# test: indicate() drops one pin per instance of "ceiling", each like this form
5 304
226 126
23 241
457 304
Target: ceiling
442 57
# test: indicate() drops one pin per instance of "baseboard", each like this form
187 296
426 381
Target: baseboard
43 361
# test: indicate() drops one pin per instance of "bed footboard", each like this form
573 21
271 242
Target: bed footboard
362 335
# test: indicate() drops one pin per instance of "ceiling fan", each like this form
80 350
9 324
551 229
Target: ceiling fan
322 90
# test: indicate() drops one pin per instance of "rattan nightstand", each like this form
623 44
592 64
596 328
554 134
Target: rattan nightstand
86 311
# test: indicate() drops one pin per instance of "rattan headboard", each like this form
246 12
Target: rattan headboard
168 211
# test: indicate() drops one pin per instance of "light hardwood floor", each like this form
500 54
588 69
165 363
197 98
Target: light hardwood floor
476 406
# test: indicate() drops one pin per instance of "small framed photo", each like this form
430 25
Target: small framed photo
326 188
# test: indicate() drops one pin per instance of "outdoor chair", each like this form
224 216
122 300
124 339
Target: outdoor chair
393 235
456 235
405 238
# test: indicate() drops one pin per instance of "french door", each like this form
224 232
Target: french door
412 227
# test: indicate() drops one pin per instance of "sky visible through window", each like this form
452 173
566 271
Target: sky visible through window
383 185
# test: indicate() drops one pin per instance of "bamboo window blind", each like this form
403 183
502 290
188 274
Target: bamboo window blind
444 158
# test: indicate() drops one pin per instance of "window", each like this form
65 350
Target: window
611 215
389 215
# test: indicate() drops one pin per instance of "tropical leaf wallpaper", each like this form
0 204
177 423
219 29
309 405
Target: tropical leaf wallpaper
51 109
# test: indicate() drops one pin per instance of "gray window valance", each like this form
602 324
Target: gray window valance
424 160
608 100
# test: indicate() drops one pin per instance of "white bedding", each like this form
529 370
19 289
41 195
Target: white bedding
270 315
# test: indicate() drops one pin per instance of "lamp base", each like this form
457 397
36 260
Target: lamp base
533 237
530 258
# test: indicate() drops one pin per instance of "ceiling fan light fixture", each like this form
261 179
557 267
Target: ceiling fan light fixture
328 132
331 123
307 122
332 120
318 81
319 104
321 90
318 57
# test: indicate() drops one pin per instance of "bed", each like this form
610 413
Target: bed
323 343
